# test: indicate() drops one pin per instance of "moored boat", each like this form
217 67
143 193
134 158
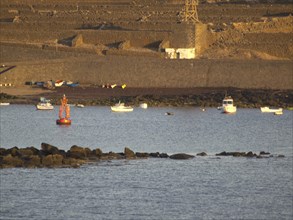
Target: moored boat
44 104
278 113
270 110
79 105
144 105
4 103
120 107
228 105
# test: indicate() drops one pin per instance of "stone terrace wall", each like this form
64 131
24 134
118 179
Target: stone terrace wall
156 72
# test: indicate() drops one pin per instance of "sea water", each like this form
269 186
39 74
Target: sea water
208 187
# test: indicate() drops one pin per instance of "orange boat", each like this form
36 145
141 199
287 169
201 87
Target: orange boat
64 107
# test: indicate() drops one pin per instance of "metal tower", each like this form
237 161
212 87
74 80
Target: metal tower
190 11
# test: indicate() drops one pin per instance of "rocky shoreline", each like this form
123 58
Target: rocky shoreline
159 97
50 156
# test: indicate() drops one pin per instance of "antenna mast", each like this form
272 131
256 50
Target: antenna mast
190 11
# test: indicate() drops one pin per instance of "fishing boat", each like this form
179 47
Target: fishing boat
4 103
120 107
144 105
278 113
64 107
79 105
270 110
228 105
44 104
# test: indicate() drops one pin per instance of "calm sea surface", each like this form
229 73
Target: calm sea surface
200 188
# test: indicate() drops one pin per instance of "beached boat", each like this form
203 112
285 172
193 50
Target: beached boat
59 83
120 107
270 110
64 107
44 104
228 105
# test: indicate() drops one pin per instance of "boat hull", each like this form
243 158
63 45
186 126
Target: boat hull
269 110
40 107
229 109
117 109
63 121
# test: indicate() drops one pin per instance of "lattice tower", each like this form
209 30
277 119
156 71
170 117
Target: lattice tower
190 11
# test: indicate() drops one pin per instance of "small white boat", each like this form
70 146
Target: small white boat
79 105
270 110
278 113
59 83
4 103
228 105
44 104
143 105
120 107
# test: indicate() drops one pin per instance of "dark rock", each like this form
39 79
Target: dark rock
52 160
26 152
72 162
48 149
264 153
142 155
234 154
34 150
202 154
31 161
129 154
238 154
12 161
111 156
164 155
250 154
77 152
14 152
156 155
97 152
224 153
181 156
3 152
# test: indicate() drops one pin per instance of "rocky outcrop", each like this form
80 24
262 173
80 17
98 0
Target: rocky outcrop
181 156
52 157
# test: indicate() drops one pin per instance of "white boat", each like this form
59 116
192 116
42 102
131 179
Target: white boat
80 105
4 103
228 105
44 104
120 107
270 110
59 83
278 113
144 105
